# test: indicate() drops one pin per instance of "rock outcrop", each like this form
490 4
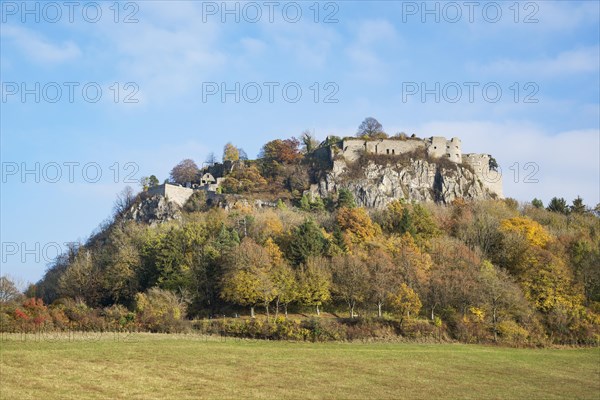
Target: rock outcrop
154 210
375 185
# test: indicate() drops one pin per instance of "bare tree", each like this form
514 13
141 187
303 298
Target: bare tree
370 127
211 159
124 201
8 290
242 154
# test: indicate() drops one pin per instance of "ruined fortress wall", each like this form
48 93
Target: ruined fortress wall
177 194
436 146
353 148
480 164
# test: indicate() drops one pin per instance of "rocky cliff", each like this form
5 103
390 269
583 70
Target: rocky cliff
376 184
153 210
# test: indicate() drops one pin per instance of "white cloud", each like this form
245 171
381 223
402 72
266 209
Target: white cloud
309 44
562 16
582 60
38 48
567 162
168 53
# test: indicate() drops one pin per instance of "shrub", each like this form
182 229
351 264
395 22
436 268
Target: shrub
511 333
160 310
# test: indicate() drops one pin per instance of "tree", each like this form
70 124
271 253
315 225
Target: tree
153 181
383 276
558 205
281 151
242 153
243 180
230 153
527 228
305 202
370 127
345 199
211 159
314 282
124 201
351 280
537 203
306 240
357 224
248 282
497 292
145 183
286 286
159 309
309 142
184 172
405 302
8 290
79 280
397 218
578 207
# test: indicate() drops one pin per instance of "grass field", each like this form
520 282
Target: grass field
144 366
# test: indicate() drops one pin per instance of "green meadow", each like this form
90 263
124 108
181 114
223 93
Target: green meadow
160 366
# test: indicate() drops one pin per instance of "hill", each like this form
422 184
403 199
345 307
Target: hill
367 235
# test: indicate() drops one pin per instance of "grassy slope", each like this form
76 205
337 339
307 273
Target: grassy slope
171 367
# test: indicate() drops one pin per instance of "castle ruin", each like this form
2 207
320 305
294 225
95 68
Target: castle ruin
436 146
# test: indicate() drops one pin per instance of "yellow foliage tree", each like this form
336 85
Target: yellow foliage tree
357 224
535 233
405 302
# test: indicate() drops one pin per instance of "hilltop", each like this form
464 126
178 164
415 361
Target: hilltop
392 237
376 170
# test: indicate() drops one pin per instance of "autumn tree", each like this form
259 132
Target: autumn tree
282 276
314 283
527 228
230 153
277 156
351 280
184 172
248 282
282 151
412 264
405 302
160 310
244 180
79 279
357 224
498 294
383 276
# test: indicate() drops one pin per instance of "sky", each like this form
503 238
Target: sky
96 95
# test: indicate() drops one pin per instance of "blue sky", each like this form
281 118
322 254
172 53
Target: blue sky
350 60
